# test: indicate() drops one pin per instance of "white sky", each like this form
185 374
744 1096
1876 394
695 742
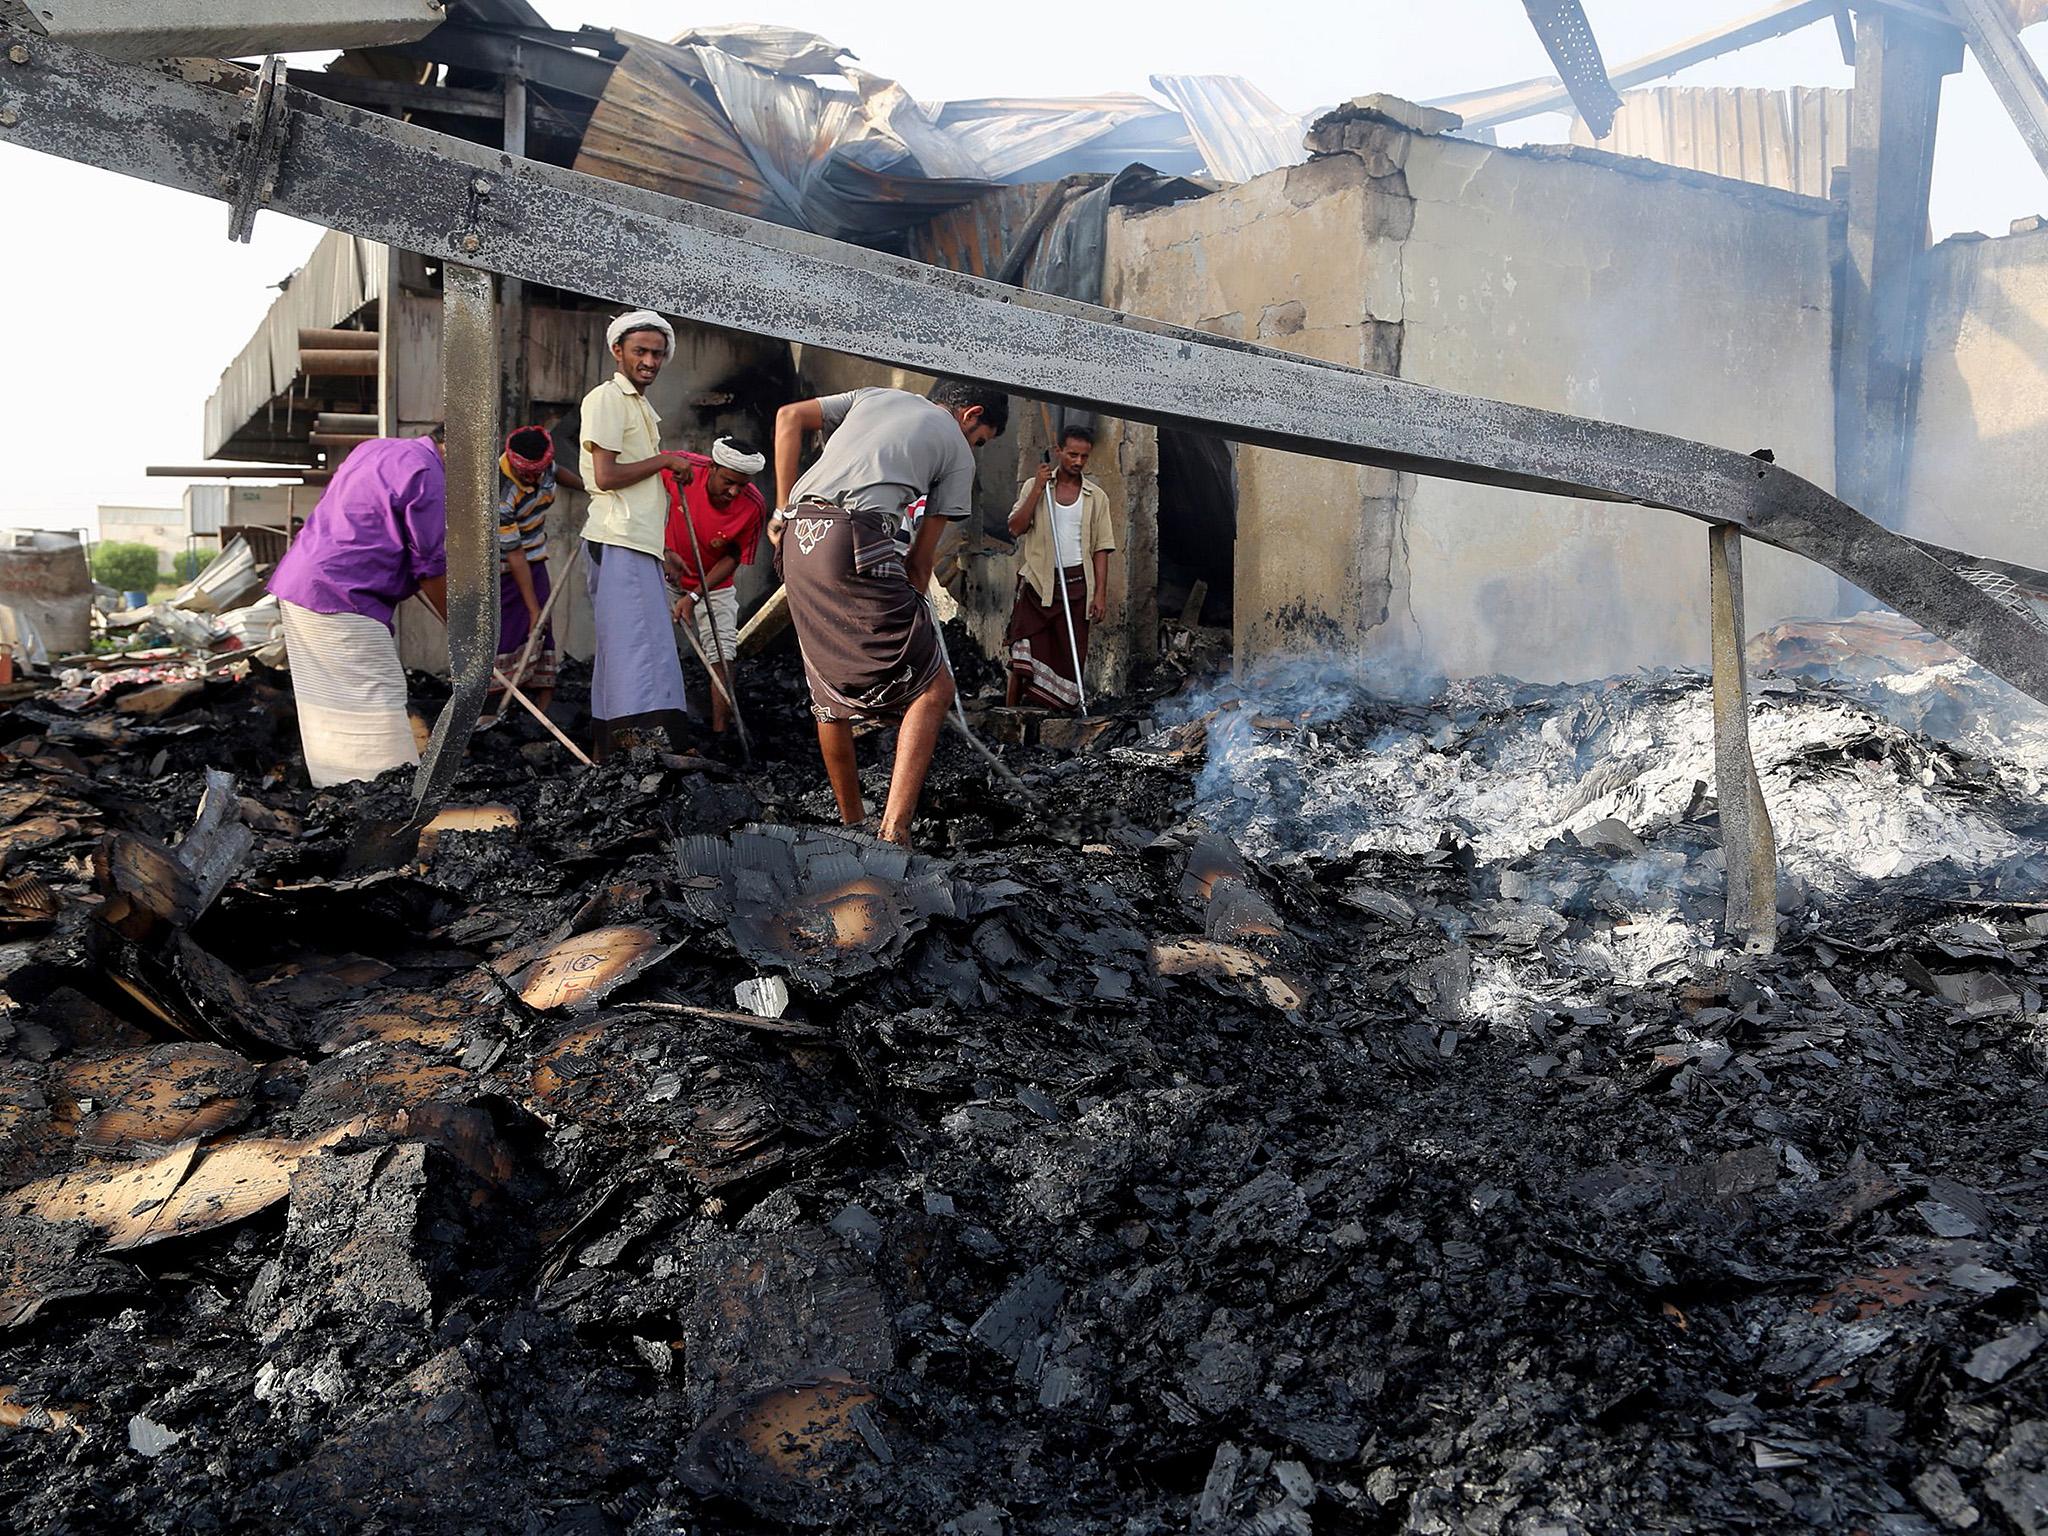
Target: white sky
124 302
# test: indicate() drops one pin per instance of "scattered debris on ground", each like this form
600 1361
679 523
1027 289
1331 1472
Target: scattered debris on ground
1321 1112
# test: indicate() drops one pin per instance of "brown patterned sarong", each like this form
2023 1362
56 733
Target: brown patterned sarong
1040 652
868 642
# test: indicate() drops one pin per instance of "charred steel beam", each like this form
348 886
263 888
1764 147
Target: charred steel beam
156 29
469 375
1510 103
1568 39
390 181
1995 39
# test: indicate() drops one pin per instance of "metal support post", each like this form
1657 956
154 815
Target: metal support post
469 374
1748 845
512 292
1900 64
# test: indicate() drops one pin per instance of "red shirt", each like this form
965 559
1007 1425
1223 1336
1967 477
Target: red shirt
721 530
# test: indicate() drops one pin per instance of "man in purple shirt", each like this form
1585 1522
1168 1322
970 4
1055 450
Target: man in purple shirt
377 537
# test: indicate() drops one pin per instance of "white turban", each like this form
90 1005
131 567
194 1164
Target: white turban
639 320
725 455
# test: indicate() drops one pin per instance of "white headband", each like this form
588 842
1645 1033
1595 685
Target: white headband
639 320
724 454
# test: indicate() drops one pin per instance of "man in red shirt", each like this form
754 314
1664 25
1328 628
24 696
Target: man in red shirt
716 498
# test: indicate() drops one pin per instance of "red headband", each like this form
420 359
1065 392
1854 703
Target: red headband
532 469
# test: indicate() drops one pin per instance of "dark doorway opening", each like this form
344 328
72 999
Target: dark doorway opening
1197 524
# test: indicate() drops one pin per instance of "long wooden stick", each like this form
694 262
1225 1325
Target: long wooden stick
689 629
512 692
540 624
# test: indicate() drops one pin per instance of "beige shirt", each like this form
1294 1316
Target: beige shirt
617 416
1035 544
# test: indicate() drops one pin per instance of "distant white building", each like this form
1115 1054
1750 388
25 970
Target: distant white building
167 530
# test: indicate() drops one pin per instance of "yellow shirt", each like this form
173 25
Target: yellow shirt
1036 556
617 416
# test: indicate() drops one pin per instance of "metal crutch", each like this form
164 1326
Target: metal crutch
1066 606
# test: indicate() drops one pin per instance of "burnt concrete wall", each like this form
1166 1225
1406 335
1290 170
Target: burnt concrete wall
1573 282
1979 469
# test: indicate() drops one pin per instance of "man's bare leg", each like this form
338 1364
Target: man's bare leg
916 739
835 744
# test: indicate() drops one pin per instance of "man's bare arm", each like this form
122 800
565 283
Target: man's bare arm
522 578
791 423
1022 514
610 473
924 553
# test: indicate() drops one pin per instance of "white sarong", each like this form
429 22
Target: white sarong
350 692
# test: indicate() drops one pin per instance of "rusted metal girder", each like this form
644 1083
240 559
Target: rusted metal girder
455 201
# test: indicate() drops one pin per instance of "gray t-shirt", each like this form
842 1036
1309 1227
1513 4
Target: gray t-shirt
889 450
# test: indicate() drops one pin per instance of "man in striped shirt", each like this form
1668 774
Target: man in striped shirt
526 489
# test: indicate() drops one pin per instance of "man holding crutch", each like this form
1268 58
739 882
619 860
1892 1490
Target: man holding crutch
1061 523
715 515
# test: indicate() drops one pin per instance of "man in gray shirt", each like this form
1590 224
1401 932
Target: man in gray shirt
856 539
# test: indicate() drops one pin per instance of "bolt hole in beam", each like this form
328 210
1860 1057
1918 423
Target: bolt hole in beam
410 188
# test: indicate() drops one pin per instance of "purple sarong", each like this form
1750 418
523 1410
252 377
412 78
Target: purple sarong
513 624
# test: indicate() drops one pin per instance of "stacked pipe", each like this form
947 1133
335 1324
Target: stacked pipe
337 353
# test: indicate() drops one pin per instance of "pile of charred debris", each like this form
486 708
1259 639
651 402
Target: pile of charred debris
1294 1109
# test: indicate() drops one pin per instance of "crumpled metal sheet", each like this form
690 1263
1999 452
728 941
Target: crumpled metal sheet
781 50
824 906
732 116
1013 138
1241 131
708 122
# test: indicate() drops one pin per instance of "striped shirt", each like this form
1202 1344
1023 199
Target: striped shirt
523 516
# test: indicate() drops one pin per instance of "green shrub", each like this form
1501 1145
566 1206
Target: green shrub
125 567
187 564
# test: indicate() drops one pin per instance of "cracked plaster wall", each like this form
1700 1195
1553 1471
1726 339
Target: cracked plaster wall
1980 449
1679 304
1682 304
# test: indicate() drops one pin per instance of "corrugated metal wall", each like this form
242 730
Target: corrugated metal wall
1791 139
341 277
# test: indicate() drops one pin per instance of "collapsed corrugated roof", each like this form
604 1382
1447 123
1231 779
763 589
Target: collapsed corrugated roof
786 125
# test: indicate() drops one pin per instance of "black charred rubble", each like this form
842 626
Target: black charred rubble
1096 1177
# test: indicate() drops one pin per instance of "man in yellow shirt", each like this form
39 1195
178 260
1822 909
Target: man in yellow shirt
636 683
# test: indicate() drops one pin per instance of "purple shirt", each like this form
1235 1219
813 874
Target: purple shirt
379 532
